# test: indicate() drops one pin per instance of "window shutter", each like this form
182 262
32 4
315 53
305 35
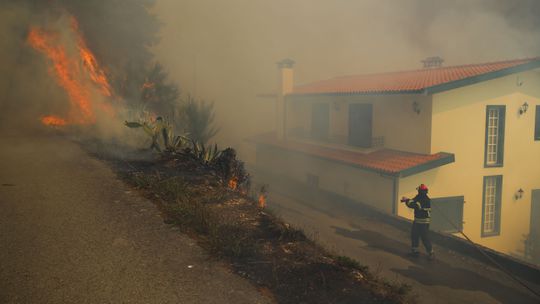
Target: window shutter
537 124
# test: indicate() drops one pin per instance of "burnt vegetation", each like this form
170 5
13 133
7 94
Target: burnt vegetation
196 195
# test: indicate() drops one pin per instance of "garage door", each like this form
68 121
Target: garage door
447 214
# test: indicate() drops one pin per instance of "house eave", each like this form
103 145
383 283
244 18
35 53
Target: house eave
353 93
481 78
433 89
447 158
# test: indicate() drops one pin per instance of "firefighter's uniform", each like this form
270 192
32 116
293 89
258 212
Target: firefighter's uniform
422 215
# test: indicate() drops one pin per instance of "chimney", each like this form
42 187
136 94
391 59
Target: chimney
286 85
433 62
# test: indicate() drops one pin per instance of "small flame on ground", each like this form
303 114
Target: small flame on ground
53 121
233 183
148 85
262 201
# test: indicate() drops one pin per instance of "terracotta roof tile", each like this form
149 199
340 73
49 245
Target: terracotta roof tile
405 81
384 161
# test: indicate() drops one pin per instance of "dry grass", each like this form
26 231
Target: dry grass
275 256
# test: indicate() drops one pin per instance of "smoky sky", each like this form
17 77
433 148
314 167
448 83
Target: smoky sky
225 51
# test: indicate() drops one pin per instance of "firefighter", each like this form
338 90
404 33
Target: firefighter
421 204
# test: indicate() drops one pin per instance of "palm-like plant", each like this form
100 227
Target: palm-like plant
206 154
161 133
199 117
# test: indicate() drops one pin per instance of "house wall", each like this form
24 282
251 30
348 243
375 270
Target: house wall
363 186
458 126
393 118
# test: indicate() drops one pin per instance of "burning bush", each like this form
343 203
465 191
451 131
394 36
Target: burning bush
231 170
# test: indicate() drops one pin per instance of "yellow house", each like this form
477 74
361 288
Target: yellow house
471 133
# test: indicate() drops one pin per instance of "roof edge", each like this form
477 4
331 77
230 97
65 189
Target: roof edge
447 158
482 77
412 92
373 170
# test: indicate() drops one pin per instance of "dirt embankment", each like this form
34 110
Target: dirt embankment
231 225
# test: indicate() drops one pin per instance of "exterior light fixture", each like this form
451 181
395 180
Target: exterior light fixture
337 105
519 194
523 108
416 107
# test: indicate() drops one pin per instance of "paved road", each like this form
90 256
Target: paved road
451 278
71 232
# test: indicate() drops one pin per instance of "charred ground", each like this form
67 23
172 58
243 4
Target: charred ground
278 258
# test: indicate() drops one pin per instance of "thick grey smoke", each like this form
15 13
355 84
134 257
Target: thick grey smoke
22 95
225 50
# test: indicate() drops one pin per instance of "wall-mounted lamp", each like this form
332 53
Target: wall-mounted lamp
336 105
523 108
416 107
519 194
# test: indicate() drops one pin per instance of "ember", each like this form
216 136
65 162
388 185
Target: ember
233 183
53 121
148 85
262 201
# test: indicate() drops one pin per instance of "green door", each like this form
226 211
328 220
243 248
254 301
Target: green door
320 120
447 214
360 124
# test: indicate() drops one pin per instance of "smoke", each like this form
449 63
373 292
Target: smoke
50 74
226 51
22 94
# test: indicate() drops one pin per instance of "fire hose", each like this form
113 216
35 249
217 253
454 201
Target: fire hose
508 273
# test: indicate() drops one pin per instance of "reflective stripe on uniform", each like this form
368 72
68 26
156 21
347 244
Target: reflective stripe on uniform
422 220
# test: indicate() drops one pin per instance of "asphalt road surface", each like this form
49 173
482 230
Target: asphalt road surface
71 232
450 278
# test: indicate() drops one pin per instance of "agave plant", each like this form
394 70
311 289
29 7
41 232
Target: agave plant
161 133
206 154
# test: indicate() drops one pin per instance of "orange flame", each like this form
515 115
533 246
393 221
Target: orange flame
71 76
148 85
64 68
262 201
233 183
89 60
53 121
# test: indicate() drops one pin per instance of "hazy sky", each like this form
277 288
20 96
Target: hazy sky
226 50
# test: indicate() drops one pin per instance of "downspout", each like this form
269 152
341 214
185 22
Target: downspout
395 195
286 84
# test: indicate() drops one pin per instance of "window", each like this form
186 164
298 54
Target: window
494 136
537 124
320 121
491 205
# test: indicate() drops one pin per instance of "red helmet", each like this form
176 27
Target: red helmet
422 187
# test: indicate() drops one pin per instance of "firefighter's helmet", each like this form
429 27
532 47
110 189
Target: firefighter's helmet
422 188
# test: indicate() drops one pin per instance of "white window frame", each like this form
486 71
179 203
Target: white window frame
494 141
491 205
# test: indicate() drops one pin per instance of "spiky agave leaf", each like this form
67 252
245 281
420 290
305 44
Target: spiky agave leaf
165 134
132 124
